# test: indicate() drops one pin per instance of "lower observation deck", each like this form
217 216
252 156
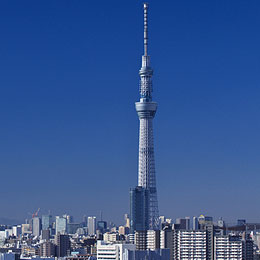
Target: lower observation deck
146 109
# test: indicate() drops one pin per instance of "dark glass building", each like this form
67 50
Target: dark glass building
102 226
139 209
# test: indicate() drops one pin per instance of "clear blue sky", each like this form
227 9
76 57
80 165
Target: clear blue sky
69 130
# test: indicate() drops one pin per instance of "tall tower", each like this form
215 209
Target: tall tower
146 110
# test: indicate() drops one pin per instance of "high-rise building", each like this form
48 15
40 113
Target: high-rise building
46 222
228 247
146 110
140 240
195 223
17 230
45 234
61 225
92 226
26 229
153 239
47 249
63 245
36 226
73 227
166 239
189 245
68 217
102 226
139 209
127 221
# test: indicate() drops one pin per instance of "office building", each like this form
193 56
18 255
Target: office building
47 249
139 209
36 226
62 245
61 225
45 234
92 226
195 223
17 231
46 222
182 223
73 227
102 226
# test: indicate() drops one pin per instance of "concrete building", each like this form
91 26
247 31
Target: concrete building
228 247
17 231
182 223
45 234
47 249
166 240
189 245
110 237
26 229
92 226
127 221
153 240
123 230
140 240
109 251
36 226
195 223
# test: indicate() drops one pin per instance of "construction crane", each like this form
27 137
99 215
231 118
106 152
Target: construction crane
36 213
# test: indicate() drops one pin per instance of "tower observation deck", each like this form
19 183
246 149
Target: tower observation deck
146 110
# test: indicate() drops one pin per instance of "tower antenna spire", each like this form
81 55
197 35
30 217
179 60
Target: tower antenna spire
145 28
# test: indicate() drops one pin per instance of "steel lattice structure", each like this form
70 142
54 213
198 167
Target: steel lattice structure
146 110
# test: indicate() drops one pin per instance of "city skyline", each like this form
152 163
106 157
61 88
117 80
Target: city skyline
69 129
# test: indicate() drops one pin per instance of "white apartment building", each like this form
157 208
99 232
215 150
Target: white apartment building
228 248
109 251
190 245
153 239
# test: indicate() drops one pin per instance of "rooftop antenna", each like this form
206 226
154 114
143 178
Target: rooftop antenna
145 28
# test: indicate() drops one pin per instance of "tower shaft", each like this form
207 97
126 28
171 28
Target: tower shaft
146 110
